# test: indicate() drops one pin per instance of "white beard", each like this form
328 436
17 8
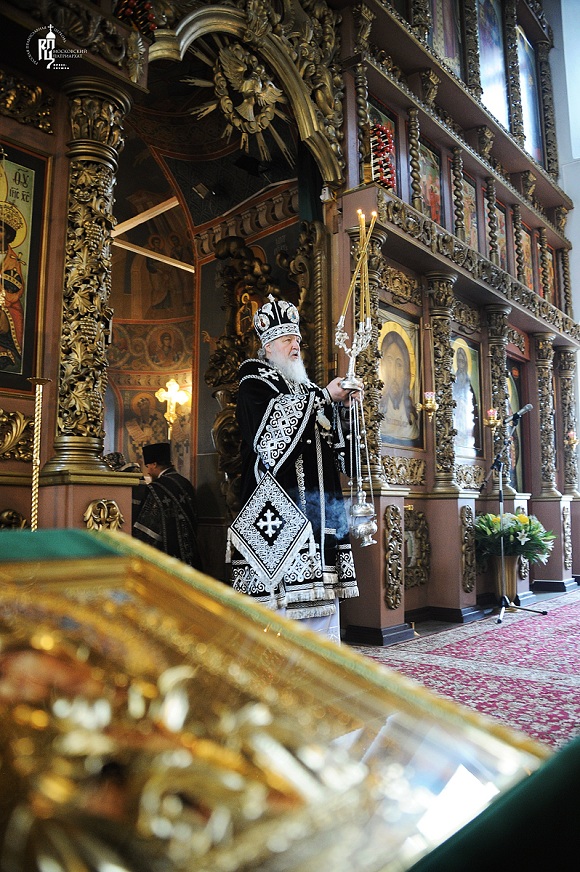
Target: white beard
292 370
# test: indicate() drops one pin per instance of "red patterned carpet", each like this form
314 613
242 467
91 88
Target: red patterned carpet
524 672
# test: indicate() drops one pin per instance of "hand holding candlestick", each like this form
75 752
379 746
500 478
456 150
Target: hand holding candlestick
363 524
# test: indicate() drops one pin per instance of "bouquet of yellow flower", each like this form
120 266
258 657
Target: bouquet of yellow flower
521 534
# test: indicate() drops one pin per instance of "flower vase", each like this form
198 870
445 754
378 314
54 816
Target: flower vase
511 576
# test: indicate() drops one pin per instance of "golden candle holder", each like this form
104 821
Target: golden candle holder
570 439
429 404
492 420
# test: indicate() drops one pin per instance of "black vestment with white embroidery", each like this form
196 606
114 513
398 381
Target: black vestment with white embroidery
295 432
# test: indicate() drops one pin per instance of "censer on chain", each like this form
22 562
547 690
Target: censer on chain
362 521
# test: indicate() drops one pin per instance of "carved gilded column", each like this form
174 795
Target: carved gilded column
518 245
440 287
566 283
497 329
472 75
458 194
547 112
416 197
492 226
545 371
566 372
513 73
97 110
544 265
421 18
363 18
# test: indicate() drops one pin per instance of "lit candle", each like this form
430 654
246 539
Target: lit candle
492 414
429 396
571 435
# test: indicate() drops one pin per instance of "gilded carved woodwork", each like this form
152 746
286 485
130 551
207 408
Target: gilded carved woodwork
518 243
429 86
544 264
440 288
467 318
103 515
392 210
295 64
468 565
513 73
414 164
403 288
567 536
417 548
364 19
16 436
394 567
96 115
566 368
404 471
547 110
469 477
485 140
421 18
458 194
25 103
516 338
544 368
85 26
491 216
472 74
363 122
497 324
566 283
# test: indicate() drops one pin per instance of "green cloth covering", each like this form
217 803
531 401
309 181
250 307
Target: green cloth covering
533 826
22 545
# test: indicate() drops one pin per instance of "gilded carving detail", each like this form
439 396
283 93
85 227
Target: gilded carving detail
27 104
547 107
567 536
485 140
415 166
404 471
513 73
472 64
10 519
492 225
516 338
469 570
417 549
402 287
468 318
544 365
94 118
103 515
458 198
393 540
421 18
469 477
429 86
565 365
16 436
441 293
392 210
566 282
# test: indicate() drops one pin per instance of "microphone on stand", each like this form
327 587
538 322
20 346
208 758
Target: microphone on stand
517 415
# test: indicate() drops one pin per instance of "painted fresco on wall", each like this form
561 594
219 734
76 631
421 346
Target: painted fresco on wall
492 59
530 97
400 371
515 472
470 213
467 396
22 196
445 36
430 170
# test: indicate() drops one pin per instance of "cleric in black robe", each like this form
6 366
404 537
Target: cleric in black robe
167 518
294 429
